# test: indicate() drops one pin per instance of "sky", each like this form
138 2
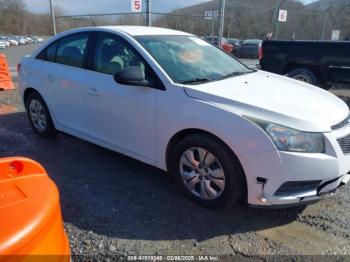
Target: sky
109 6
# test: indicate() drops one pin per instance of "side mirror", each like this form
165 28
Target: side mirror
132 75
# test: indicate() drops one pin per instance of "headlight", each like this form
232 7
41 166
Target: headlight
288 139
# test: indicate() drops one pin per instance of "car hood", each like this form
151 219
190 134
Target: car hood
274 98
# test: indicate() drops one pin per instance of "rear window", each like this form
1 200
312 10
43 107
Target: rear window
251 42
234 41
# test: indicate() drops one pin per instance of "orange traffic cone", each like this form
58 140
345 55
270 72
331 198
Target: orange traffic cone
5 76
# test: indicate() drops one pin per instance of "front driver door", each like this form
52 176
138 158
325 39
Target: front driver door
121 116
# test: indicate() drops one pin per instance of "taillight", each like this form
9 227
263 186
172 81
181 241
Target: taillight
18 67
261 54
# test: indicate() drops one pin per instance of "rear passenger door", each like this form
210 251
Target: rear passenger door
65 81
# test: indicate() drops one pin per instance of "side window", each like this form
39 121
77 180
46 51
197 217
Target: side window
113 54
42 55
71 50
51 52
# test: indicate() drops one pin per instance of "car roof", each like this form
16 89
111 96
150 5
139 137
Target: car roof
143 30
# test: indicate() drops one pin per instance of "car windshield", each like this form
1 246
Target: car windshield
191 60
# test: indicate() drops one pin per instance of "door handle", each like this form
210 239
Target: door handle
93 91
50 78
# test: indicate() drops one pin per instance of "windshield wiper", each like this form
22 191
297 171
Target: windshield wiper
198 80
237 74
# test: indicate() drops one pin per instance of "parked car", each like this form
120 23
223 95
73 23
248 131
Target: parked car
236 43
13 42
28 40
7 43
174 101
22 41
224 43
37 39
320 63
251 48
2 45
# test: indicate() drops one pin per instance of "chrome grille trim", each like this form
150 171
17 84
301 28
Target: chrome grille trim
344 143
341 124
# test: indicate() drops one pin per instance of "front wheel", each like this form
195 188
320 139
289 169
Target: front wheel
207 171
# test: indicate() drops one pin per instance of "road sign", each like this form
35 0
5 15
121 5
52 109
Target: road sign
211 14
282 16
208 14
335 34
136 6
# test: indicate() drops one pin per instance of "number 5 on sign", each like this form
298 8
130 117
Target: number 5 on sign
282 16
136 6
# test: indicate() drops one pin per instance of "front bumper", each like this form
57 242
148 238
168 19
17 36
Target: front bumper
267 172
305 198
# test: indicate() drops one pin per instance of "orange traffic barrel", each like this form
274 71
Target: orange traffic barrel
30 215
5 76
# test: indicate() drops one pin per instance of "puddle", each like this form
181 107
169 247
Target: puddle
305 239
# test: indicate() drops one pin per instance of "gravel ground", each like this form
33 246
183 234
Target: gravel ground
115 205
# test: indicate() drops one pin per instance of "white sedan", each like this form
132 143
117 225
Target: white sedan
22 41
170 99
13 42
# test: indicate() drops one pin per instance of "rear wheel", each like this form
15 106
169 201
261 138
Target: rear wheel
304 75
39 115
207 171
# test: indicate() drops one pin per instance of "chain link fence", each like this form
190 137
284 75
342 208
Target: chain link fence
243 20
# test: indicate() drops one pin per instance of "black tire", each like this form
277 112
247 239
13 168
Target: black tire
304 75
48 129
235 185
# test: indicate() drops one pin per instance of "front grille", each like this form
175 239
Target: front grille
342 124
344 143
297 187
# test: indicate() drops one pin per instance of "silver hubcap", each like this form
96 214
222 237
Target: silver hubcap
302 78
202 173
37 114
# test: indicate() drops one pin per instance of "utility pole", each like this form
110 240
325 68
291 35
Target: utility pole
149 13
222 21
325 20
53 17
277 14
